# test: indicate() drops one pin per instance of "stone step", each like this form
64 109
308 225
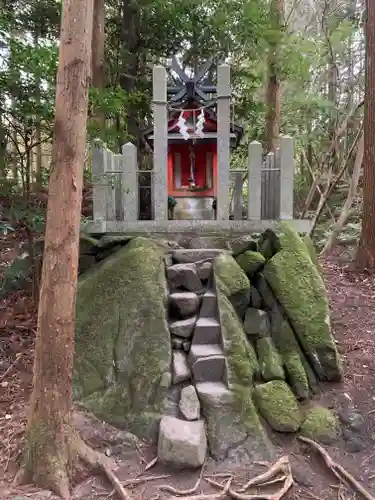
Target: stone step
185 255
203 351
186 303
214 393
207 331
209 369
209 305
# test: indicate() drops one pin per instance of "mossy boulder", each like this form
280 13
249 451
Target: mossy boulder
233 426
242 363
300 290
284 339
321 425
232 422
278 406
269 243
270 362
311 250
122 348
112 240
233 282
251 262
243 244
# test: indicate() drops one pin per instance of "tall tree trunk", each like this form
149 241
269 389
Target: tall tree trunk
273 100
130 60
98 76
47 457
366 249
38 133
3 146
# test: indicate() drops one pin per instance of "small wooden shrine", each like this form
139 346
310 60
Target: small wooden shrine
192 144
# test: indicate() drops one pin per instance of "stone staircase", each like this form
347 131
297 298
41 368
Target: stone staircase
194 315
201 410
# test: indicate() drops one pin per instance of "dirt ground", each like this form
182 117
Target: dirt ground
352 298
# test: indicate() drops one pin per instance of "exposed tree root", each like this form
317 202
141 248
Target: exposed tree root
214 496
57 478
170 489
268 478
132 483
338 470
280 466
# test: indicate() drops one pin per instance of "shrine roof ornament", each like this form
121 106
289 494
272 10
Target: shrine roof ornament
191 88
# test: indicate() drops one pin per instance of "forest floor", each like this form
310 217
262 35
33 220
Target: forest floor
352 298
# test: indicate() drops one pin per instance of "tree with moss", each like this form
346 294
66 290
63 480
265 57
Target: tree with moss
51 447
366 249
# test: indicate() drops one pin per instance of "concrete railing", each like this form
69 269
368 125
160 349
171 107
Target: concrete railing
119 188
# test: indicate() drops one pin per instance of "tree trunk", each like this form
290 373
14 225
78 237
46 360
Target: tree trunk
130 62
345 212
98 77
47 459
38 132
366 250
273 101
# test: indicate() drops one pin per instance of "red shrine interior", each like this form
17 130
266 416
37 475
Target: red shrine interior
205 159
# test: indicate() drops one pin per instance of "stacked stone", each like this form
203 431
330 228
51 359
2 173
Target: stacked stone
182 437
187 283
284 310
255 339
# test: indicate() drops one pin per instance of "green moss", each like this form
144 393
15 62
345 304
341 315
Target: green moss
244 404
232 422
230 278
299 288
269 360
233 282
251 262
112 405
311 250
112 240
320 425
242 363
44 456
122 336
278 406
269 243
296 375
242 244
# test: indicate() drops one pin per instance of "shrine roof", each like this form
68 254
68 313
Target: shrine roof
211 123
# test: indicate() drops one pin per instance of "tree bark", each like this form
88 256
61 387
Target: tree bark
131 62
365 258
98 76
47 456
273 99
338 226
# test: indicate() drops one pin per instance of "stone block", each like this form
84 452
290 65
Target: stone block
182 444
185 276
183 328
189 403
184 303
257 322
181 370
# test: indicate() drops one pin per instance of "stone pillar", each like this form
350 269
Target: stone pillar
111 179
254 190
129 182
160 170
98 182
286 177
223 141
237 196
